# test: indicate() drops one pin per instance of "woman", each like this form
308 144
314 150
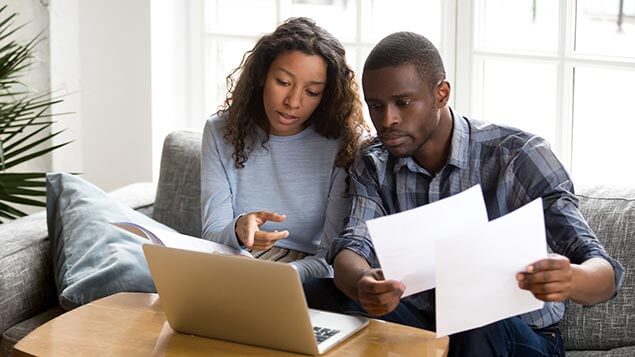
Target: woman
274 159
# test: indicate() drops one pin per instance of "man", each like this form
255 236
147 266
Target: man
424 152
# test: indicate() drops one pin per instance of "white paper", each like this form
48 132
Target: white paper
476 275
177 240
405 242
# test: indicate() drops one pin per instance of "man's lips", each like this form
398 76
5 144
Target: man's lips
392 139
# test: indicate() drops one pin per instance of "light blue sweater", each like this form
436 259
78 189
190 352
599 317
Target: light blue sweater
295 176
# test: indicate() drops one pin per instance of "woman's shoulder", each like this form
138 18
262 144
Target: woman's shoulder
216 121
215 131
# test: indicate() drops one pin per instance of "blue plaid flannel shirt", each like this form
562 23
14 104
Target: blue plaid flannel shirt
513 168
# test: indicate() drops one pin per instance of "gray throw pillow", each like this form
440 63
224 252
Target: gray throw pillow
92 258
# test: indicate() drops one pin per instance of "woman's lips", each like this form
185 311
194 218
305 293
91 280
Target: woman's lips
287 118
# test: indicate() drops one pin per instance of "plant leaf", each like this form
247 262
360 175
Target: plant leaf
34 155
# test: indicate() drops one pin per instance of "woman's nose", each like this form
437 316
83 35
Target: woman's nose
294 98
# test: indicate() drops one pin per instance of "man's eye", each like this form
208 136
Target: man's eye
403 103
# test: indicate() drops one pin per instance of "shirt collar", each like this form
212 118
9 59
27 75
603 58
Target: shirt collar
459 148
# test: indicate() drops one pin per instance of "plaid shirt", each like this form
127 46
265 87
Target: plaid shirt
513 168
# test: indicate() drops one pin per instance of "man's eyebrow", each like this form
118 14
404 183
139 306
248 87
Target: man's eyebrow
393 97
404 95
293 75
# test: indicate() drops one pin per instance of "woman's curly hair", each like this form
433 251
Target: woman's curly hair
339 114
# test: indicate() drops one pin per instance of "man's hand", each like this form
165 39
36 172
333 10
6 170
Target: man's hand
549 279
249 233
376 295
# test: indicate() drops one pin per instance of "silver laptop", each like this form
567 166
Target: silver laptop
242 300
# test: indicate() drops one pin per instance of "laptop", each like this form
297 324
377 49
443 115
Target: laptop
243 300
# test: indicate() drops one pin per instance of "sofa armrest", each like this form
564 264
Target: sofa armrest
27 287
137 195
26 278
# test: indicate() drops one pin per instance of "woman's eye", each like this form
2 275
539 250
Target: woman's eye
283 83
312 93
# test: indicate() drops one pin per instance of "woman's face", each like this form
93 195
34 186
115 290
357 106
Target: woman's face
293 89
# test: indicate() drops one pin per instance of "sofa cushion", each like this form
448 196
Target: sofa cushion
610 212
618 352
26 279
179 188
11 336
91 257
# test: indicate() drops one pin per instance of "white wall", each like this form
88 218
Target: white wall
35 18
171 91
101 59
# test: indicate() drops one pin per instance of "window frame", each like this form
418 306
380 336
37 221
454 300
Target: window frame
461 57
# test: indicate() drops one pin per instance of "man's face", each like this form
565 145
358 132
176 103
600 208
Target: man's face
402 108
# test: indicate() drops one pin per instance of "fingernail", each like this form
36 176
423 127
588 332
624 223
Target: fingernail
530 268
520 277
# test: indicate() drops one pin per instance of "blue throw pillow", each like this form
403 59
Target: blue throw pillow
92 258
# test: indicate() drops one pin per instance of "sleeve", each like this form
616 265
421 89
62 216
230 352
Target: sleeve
538 173
366 204
217 212
337 208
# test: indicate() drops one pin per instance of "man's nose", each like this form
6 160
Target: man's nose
390 116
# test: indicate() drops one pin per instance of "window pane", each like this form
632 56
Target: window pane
351 59
603 28
221 58
530 25
522 95
603 126
240 17
383 17
336 16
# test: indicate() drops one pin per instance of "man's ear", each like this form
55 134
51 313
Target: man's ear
443 93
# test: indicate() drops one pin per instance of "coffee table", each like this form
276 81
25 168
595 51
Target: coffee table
132 324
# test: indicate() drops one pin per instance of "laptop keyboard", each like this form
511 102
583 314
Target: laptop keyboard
322 333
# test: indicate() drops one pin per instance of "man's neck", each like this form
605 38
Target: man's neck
433 155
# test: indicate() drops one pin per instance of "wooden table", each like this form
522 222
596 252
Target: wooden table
133 324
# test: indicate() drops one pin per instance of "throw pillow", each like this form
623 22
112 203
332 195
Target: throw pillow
91 257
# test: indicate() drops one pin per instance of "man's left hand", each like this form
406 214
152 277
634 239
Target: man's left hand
549 279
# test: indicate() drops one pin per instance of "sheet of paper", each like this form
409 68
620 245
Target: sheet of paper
476 275
405 241
178 240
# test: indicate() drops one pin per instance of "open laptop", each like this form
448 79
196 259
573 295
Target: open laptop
242 300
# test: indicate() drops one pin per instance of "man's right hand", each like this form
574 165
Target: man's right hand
377 295
249 233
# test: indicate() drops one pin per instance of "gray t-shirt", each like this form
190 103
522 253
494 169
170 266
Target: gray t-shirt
295 175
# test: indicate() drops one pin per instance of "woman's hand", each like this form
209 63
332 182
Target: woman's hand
249 233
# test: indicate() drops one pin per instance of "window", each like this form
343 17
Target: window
229 31
564 70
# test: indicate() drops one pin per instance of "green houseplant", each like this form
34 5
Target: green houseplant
25 122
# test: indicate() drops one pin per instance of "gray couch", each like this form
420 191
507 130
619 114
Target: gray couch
27 291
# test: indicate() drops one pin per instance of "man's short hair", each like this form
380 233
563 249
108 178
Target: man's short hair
402 48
